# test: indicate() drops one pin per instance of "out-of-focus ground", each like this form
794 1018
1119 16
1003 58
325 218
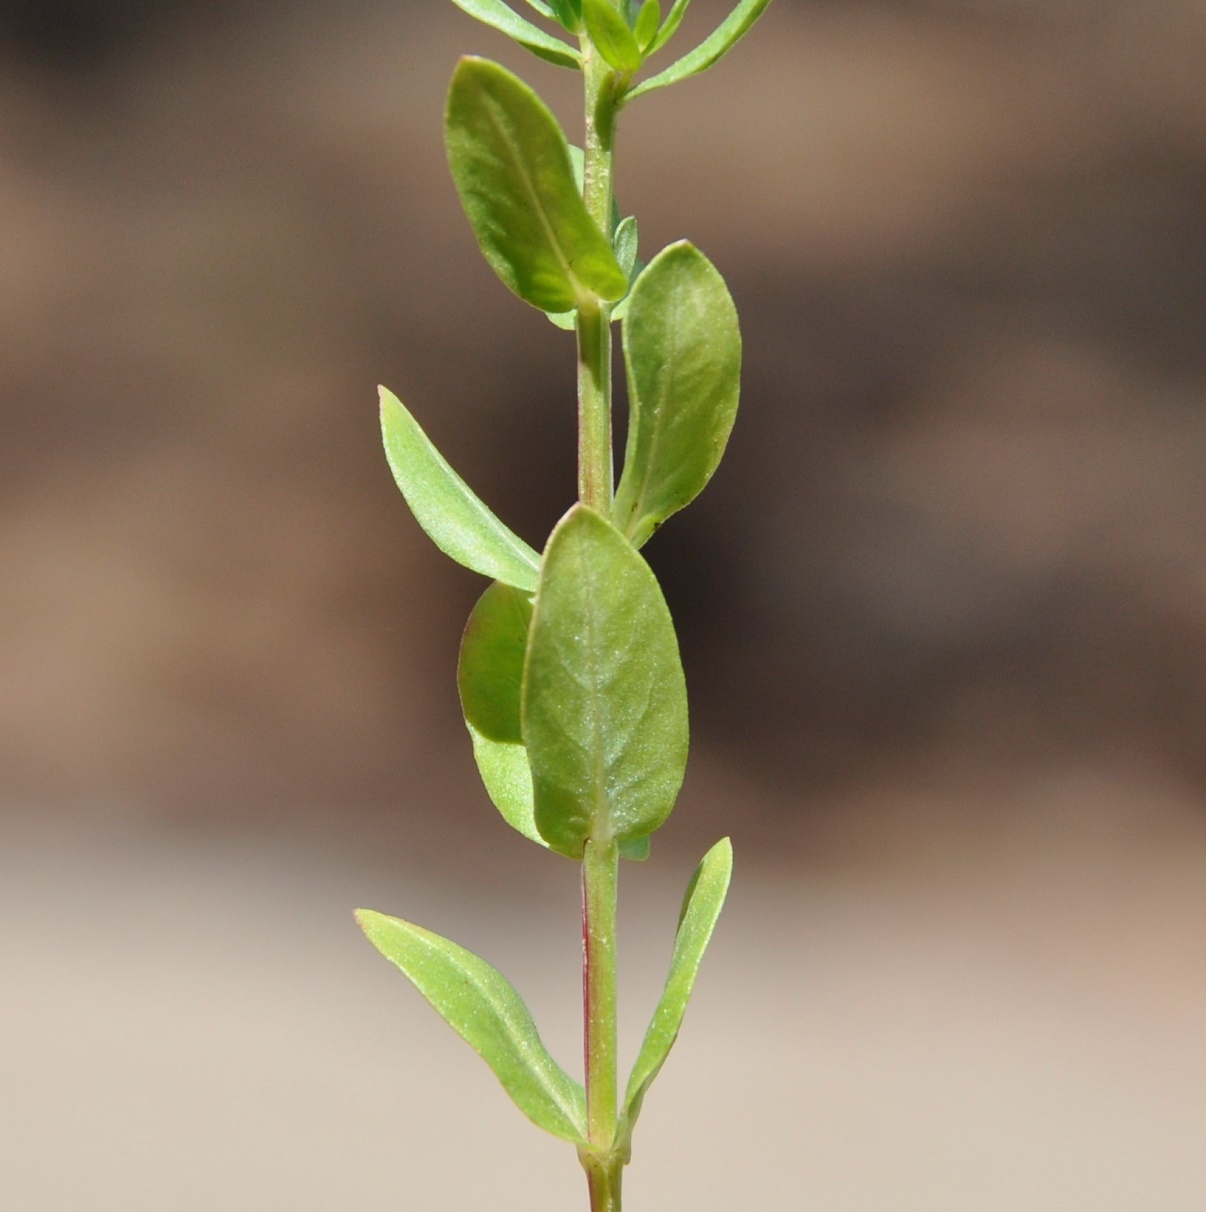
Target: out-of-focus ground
943 613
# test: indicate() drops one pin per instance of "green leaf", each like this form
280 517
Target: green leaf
682 347
669 28
504 19
722 40
604 701
483 1008
507 777
569 13
490 680
459 524
543 9
625 243
647 22
701 907
490 670
512 169
610 33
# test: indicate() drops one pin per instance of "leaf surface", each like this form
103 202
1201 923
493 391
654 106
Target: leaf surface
604 700
611 35
478 1002
512 169
503 18
454 518
717 44
701 907
682 348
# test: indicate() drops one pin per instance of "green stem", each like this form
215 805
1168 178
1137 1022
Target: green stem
600 880
594 315
601 861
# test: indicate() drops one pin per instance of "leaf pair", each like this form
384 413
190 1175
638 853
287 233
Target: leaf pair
480 1004
577 710
577 705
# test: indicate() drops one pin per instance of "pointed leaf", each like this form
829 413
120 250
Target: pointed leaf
669 27
647 22
479 1003
512 169
459 524
611 35
722 40
543 9
604 701
504 19
701 907
682 347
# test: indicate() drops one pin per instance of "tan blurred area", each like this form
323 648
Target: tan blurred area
943 614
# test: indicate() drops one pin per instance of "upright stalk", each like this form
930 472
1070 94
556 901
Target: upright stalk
601 860
594 315
600 879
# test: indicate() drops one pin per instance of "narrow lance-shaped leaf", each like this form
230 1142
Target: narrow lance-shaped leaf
682 348
504 19
454 518
646 25
490 680
604 700
674 18
479 1003
511 165
701 907
611 35
722 40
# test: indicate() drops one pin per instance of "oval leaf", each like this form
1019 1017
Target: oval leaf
479 1003
610 33
701 907
504 19
455 520
511 165
722 40
604 700
682 347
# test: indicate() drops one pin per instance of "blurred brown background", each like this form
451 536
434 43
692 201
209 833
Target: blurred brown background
943 610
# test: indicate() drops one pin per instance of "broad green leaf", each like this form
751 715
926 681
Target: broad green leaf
490 679
701 907
459 524
604 701
504 19
682 348
479 1003
647 22
722 40
512 169
669 27
611 35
